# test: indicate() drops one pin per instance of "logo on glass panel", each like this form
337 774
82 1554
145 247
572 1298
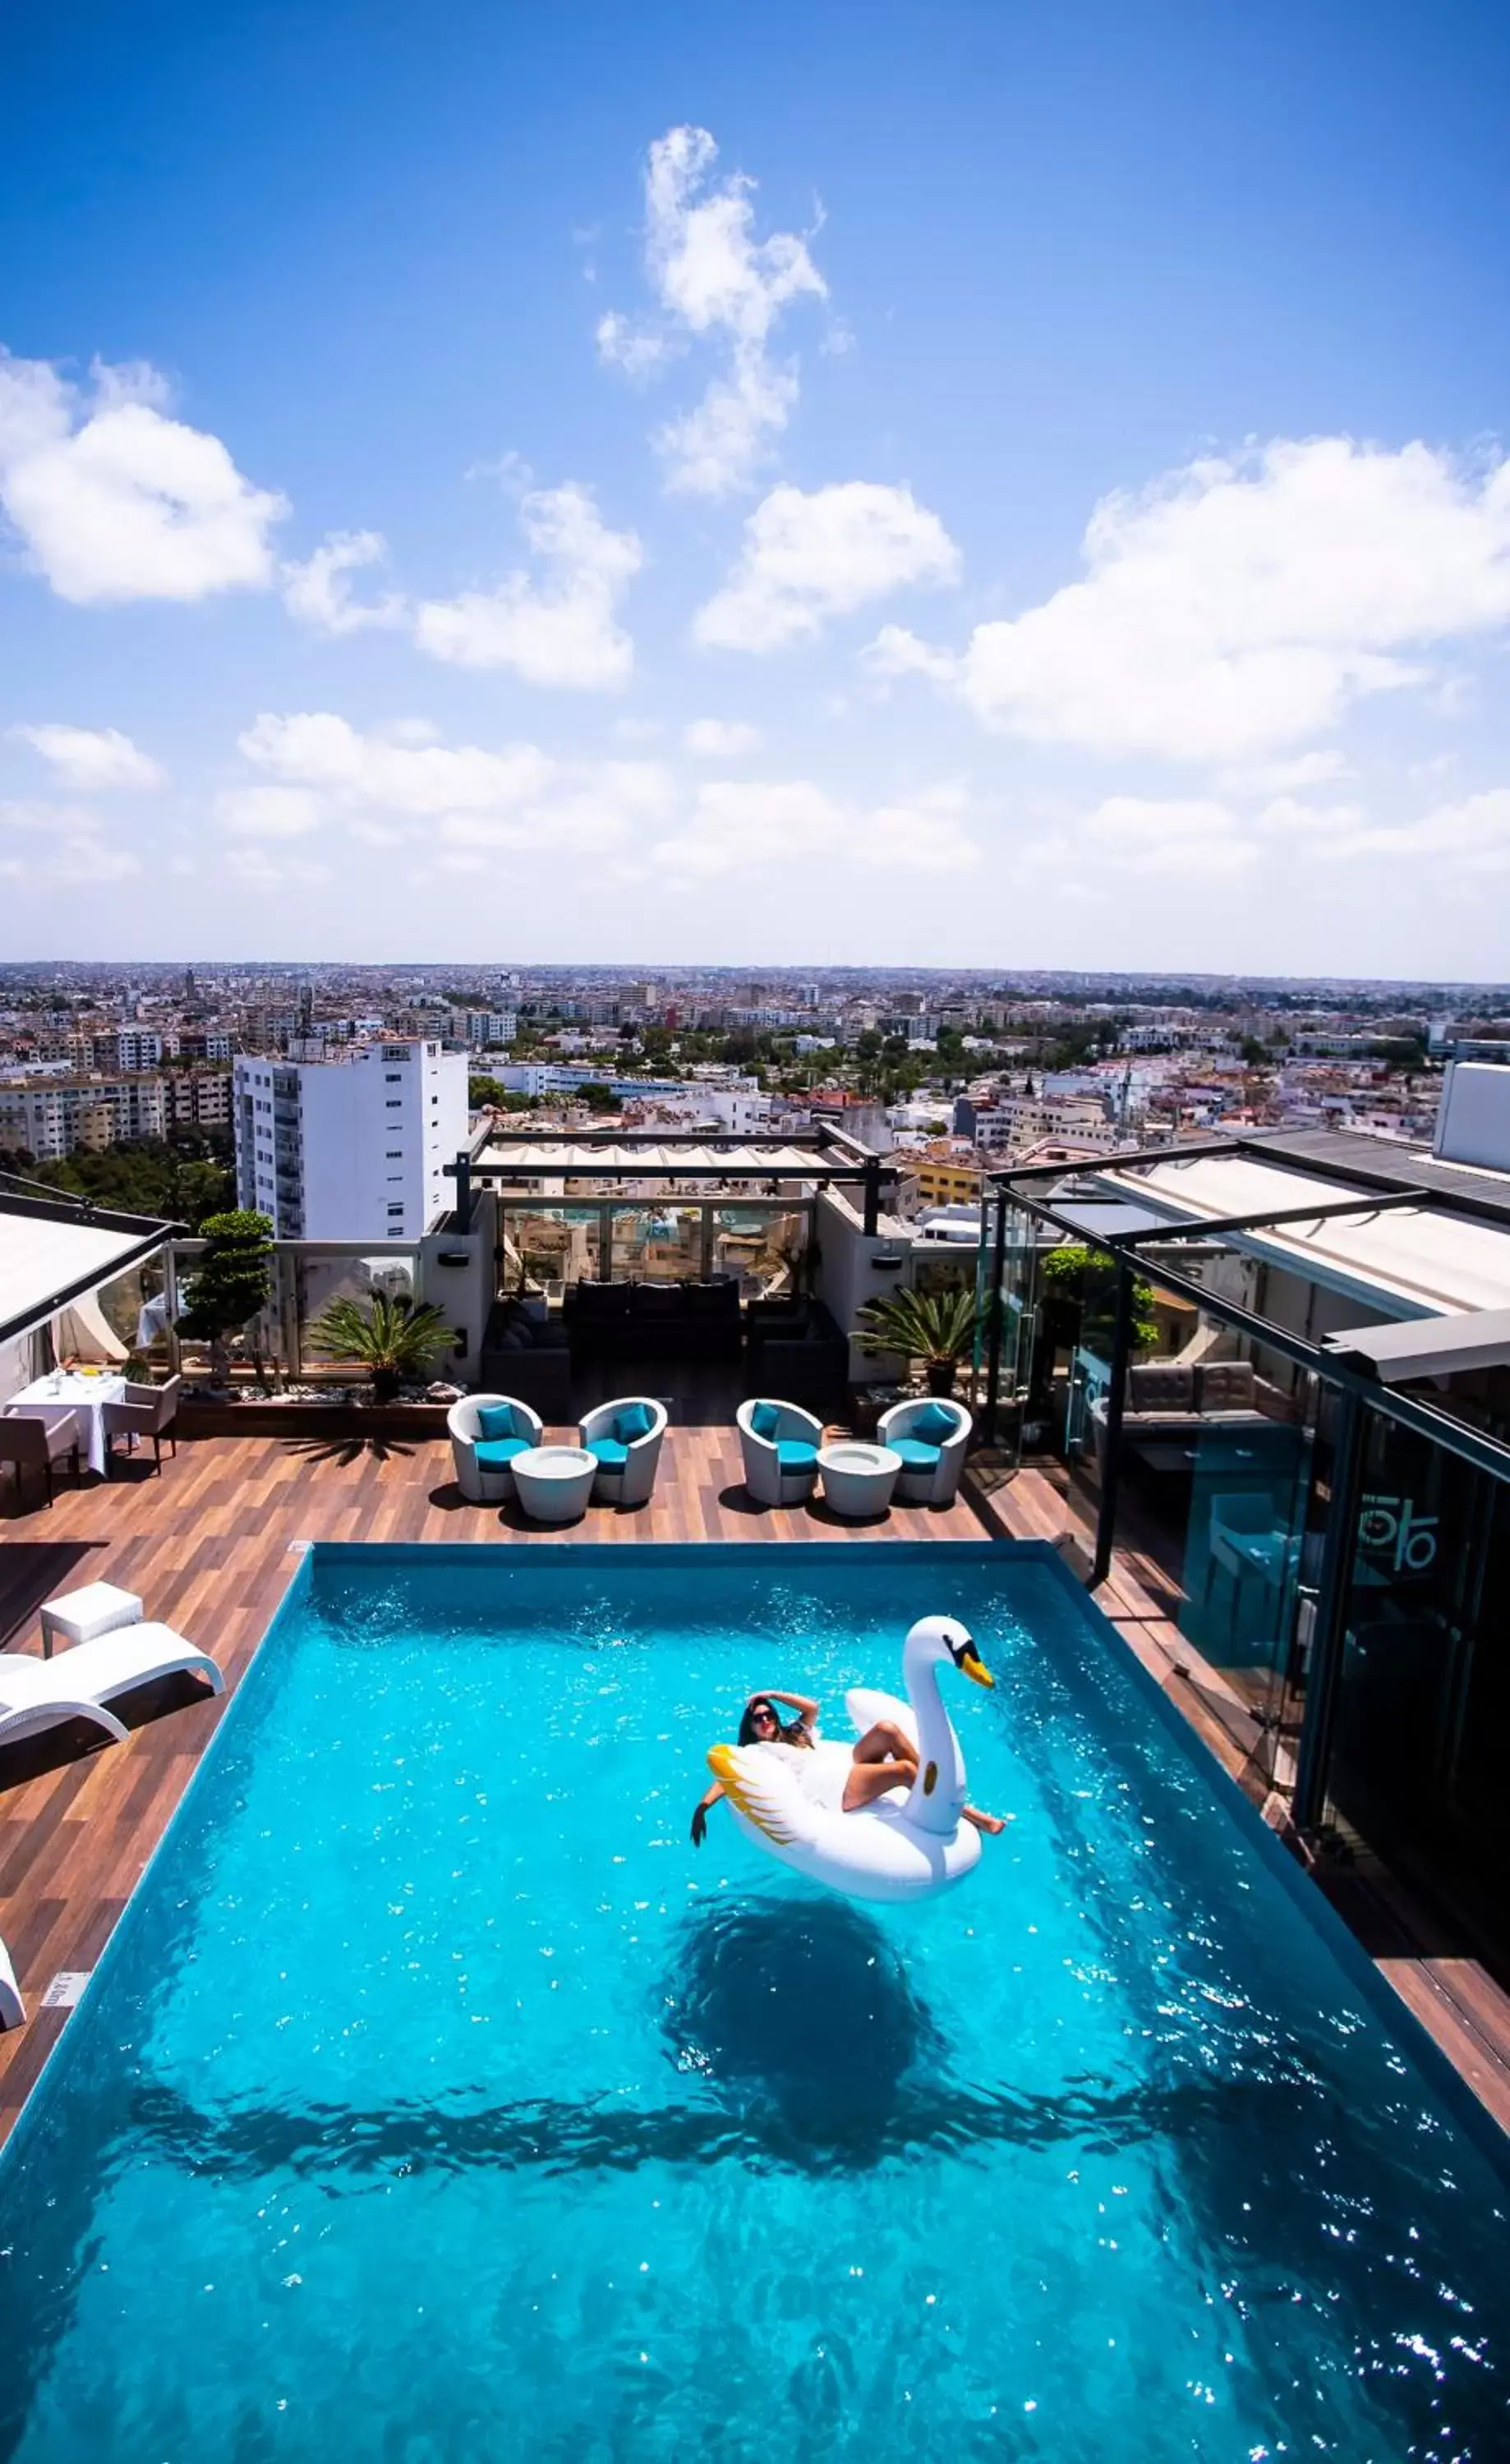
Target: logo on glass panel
1390 1528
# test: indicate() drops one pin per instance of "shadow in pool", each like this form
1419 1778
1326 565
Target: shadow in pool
799 2009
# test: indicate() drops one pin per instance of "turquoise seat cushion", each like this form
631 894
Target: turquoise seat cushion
497 1420
916 1455
610 1455
934 1426
633 1422
792 1454
496 1452
766 1420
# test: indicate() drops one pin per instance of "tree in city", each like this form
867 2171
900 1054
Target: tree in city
392 1338
482 1090
938 1328
597 1097
231 1285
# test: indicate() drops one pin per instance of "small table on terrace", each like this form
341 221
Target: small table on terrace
857 1479
68 1389
554 1483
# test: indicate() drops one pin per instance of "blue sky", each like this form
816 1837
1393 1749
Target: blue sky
977 485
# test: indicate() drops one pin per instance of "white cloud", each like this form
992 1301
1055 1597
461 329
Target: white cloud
1283 778
738 826
1194 838
807 557
93 760
462 797
635 349
1288 817
713 278
564 632
256 869
76 847
1469 837
720 739
319 592
1242 605
269 812
114 500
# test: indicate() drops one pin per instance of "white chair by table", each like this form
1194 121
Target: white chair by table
930 1433
34 1441
779 1443
488 1432
13 2010
144 1412
624 1437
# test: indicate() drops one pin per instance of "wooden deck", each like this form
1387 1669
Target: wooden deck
209 1549
1451 1992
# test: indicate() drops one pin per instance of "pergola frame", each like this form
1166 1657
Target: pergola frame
1359 1391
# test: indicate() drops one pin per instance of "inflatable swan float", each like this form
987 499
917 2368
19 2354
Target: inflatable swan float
902 1847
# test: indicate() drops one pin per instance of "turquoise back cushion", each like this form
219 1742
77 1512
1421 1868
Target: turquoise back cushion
766 1420
934 1426
633 1422
497 1420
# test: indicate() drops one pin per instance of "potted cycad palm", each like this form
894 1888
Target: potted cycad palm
391 1338
936 1327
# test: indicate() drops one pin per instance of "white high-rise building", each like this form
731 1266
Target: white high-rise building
353 1147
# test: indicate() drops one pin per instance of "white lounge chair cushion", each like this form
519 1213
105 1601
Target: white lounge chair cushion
94 1672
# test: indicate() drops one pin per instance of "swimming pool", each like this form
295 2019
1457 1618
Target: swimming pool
436 2100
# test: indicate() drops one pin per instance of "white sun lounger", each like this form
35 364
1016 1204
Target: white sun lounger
76 1684
13 2010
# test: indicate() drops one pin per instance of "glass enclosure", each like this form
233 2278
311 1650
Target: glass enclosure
280 1346
1416 1767
546 1245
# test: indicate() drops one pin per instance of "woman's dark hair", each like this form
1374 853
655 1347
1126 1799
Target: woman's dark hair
748 1735
794 1735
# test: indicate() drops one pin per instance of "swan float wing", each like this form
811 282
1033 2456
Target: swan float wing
761 1787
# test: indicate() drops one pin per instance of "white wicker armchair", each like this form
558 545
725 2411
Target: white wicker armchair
632 1481
482 1464
771 1481
934 1480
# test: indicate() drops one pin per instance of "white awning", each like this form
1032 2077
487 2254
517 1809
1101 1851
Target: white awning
1413 1261
47 1261
733 1163
1432 1347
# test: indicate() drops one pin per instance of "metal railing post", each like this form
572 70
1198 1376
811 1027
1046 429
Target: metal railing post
1112 1460
1329 1638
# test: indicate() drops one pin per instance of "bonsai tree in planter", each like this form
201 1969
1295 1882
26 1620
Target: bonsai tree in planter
937 1327
391 1338
231 1285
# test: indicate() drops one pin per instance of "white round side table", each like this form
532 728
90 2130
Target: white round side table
857 1479
554 1483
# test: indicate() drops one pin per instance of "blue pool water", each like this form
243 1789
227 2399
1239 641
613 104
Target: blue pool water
437 2101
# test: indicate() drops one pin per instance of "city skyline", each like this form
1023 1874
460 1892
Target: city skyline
795 502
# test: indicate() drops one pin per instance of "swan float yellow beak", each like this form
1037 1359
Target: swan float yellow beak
974 1667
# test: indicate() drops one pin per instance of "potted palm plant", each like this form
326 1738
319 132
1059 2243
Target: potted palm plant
936 1327
391 1338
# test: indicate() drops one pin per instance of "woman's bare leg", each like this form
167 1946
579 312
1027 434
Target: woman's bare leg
884 1743
867 1781
989 1823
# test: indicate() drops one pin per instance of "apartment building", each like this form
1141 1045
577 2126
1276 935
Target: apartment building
944 1178
351 1147
481 1028
50 1117
128 1047
198 1099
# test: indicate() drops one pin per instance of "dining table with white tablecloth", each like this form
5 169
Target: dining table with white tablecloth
73 1389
